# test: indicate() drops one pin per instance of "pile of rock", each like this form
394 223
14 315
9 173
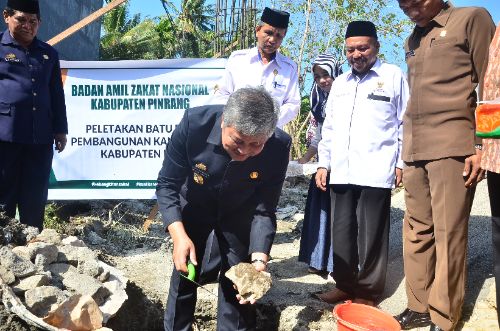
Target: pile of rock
59 280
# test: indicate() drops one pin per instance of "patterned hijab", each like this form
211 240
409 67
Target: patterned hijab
318 97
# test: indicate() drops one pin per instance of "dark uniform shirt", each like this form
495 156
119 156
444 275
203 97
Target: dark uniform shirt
446 62
32 107
200 183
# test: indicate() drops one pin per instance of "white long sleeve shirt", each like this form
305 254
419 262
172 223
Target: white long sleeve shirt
279 77
363 129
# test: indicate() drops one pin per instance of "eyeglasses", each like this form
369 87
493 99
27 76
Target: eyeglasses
23 20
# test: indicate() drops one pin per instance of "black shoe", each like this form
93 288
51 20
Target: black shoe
434 327
410 319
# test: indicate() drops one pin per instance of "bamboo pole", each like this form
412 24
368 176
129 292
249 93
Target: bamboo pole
84 22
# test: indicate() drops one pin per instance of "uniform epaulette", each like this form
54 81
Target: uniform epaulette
287 60
240 52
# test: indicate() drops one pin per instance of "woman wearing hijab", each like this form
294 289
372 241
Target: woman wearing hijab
315 242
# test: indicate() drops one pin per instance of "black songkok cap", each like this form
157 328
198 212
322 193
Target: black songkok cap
26 6
361 29
275 18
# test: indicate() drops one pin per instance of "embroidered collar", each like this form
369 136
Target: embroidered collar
255 57
8 40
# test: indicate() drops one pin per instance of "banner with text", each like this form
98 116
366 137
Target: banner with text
120 117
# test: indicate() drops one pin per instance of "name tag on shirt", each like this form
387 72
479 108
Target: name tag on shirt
278 85
377 97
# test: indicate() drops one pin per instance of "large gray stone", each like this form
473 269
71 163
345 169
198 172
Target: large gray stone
40 300
50 251
115 300
7 275
41 262
24 252
30 233
49 236
117 285
95 239
86 285
30 283
18 265
73 241
90 267
59 269
72 254
104 276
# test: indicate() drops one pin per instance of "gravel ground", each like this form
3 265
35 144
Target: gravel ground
477 312
146 261
289 302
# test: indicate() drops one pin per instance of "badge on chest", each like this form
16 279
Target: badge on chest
11 57
277 82
254 175
379 94
200 174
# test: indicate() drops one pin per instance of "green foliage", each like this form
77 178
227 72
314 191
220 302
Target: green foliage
318 26
141 41
128 38
303 117
187 32
51 218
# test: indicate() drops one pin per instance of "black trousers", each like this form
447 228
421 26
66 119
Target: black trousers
493 180
233 243
360 236
24 180
211 261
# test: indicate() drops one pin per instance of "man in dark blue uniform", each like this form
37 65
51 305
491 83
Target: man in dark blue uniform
32 113
223 170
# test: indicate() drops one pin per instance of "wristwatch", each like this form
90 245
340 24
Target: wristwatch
478 146
260 261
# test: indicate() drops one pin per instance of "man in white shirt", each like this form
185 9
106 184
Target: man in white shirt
361 145
265 66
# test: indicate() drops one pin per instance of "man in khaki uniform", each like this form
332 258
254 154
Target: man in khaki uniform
447 55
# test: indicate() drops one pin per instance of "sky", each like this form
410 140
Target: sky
153 8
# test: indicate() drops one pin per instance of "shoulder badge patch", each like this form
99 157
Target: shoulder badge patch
11 57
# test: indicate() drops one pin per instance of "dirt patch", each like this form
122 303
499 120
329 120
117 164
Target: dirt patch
138 313
114 230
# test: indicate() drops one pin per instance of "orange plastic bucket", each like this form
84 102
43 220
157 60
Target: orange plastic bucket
357 317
